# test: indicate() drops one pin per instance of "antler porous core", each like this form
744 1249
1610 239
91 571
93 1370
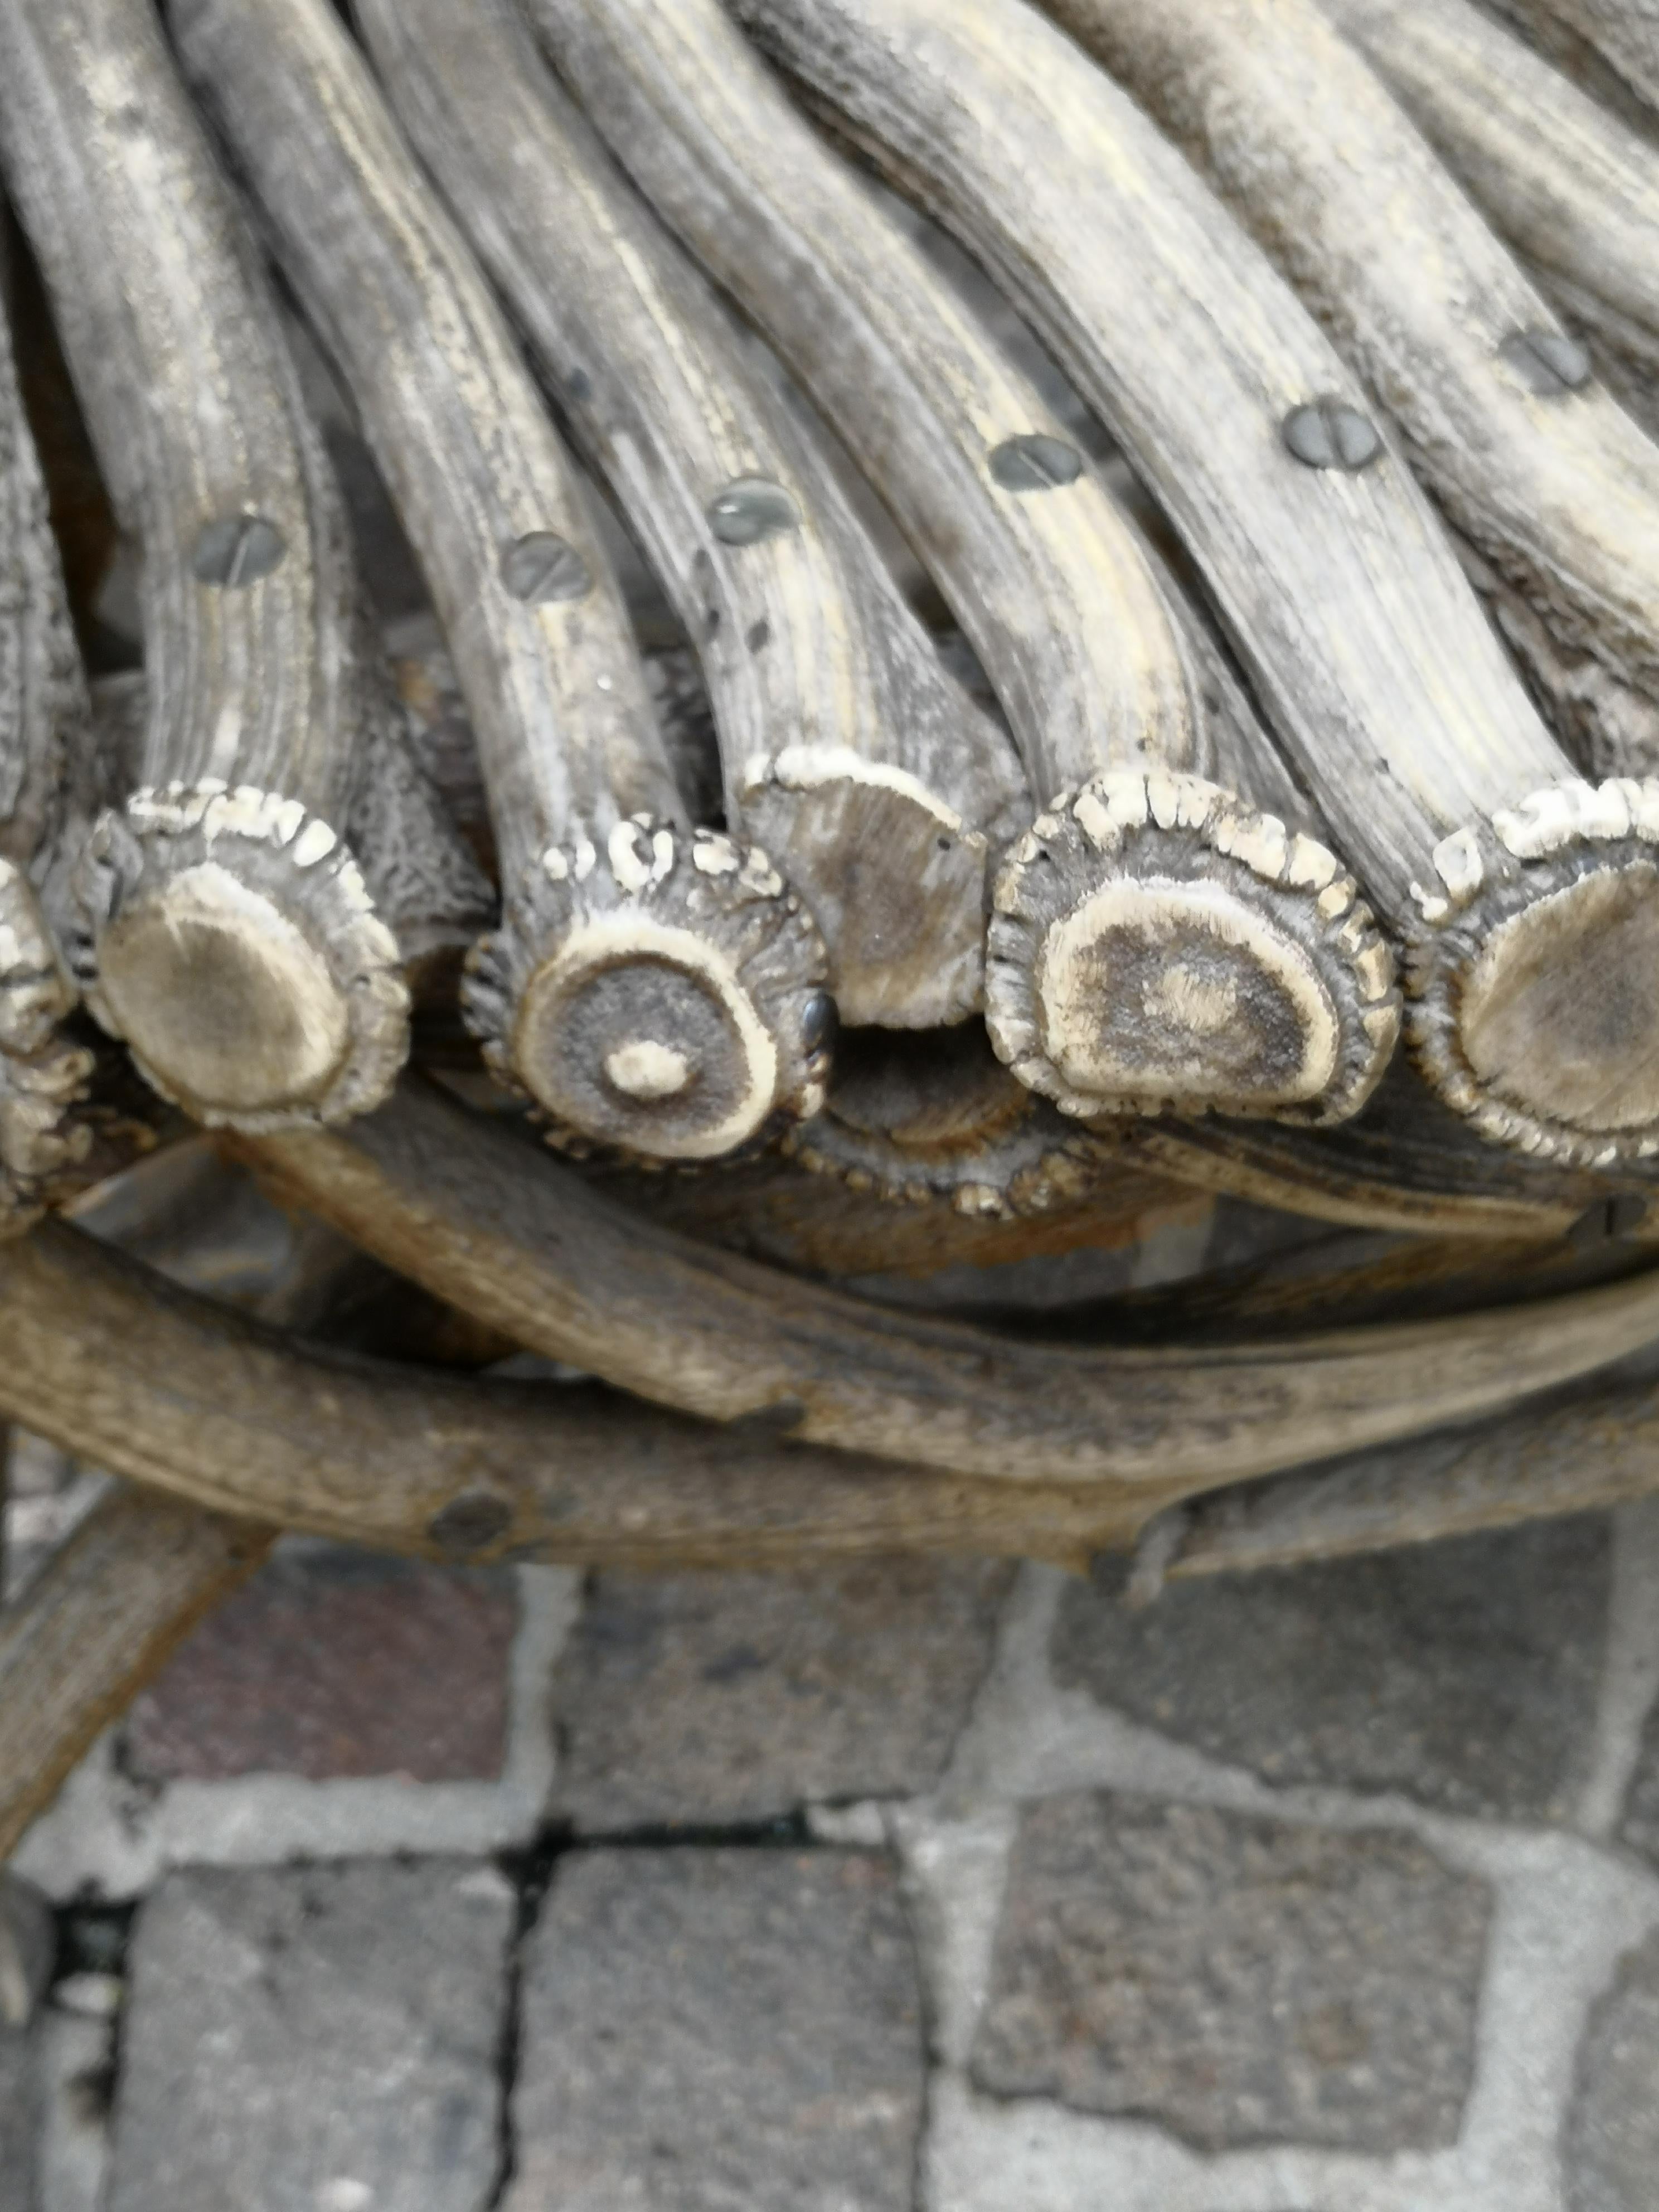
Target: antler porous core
896 881
643 1034
1560 1013
1160 944
1536 997
229 938
1180 991
223 997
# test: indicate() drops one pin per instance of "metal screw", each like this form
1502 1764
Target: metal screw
819 1022
469 1521
1330 435
236 550
1608 1218
752 508
542 567
1035 463
1547 362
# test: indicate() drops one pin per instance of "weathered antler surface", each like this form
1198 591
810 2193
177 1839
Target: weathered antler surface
1570 185
1524 892
96 1624
189 1397
45 802
476 1214
862 770
1596 1449
1157 939
1623 33
650 985
232 942
1407 1163
1498 409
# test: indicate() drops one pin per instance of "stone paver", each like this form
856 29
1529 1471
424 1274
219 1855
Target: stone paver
315 2040
1464 1674
1239 1979
334 1661
719 2031
1610 2154
709 1697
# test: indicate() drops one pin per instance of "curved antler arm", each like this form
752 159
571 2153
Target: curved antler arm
228 935
649 986
473 1213
98 1622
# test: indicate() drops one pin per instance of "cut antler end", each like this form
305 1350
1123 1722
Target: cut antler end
1536 981
1158 945
895 877
231 943
916 1118
666 996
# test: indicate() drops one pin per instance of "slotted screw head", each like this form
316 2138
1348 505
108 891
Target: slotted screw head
1547 360
1328 433
542 567
750 509
1034 462
236 550
819 1022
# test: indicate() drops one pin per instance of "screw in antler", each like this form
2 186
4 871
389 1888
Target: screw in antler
1035 463
752 508
237 551
1328 433
1546 361
542 567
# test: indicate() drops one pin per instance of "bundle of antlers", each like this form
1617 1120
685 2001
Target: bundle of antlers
1149 539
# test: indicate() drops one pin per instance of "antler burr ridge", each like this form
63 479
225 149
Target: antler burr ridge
227 935
650 985
1157 940
1526 895
849 754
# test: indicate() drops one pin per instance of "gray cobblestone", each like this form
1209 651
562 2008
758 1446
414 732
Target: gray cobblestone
719 2031
1464 1674
710 1697
1239 1979
1611 2151
315 2040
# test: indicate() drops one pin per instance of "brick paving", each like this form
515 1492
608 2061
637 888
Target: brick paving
944 1887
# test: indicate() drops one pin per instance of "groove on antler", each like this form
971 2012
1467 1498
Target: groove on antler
650 985
228 937
1155 940
848 753
1340 590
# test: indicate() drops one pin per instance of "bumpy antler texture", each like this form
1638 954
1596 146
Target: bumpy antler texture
650 985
